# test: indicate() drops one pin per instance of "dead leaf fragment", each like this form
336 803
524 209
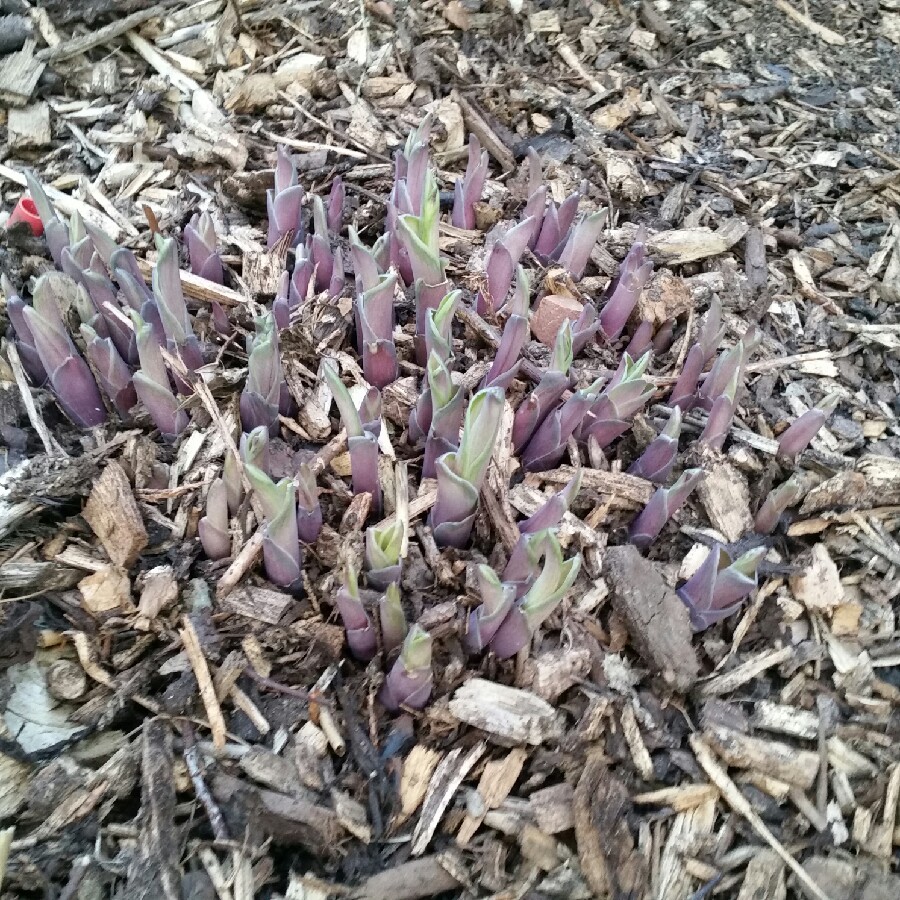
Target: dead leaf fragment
818 586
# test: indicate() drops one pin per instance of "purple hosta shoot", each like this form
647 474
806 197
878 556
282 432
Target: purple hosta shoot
625 290
213 527
718 422
281 543
684 393
483 622
200 235
376 321
641 341
467 190
309 510
612 412
723 371
328 264
151 381
446 405
112 371
655 463
55 231
172 308
798 436
363 426
663 338
581 241
253 449
461 472
502 260
522 568
410 681
391 618
76 255
284 203
335 212
15 309
777 501
549 390
419 237
548 444
68 374
361 637
438 342
664 503
262 395
365 261
383 548
585 328
717 589
515 332
543 597
105 315
302 284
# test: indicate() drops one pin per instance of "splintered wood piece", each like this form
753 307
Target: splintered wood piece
480 128
113 514
656 619
159 589
257 603
505 713
497 780
772 758
552 673
726 499
197 288
411 880
418 767
764 877
818 586
621 486
747 671
205 684
741 805
690 830
106 591
29 126
444 783
680 798
19 75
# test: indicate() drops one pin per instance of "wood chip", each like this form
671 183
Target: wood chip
656 619
205 685
497 780
114 516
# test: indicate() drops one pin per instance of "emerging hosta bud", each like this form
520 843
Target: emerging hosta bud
522 568
641 341
502 260
611 413
113 373
284 202
262 394
68 374
580 242
798 436
361 637
655 463
447 404
439 326
336 197
718 588
467 191
376 321
409 682
664 503
777 501
328 265
152 384
625 290
418 234
15 309
506 361
529 613
213 527
585 328
391 618
200 235
383 549
281 543
254 449
718 423
55 231
547 446
172 308
483 622
684 392
363 427
461 473
549 390
309 510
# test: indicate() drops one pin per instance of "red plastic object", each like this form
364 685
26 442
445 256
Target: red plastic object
26 211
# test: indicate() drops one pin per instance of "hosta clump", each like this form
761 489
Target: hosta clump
139 351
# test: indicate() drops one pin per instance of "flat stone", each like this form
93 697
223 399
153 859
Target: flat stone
552 311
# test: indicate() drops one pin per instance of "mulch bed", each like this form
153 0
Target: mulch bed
176 728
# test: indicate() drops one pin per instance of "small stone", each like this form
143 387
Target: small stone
552 311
